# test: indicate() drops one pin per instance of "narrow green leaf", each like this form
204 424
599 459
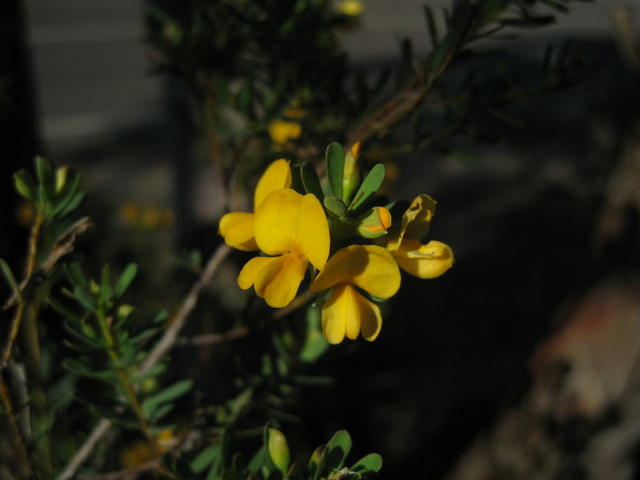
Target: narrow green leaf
257 461
336 206
315 344
334 157
205 458
371 463
431 25
84 296
8 275
368 187
125 279
44 171
75 274
176 390
70 205
310 180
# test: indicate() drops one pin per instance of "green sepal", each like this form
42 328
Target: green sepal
368 187
334 157
278 450
310 180
335 206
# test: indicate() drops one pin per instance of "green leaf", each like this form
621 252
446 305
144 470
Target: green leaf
70 205
310 180
368 187
335 206
105 285
151 404
206 457
257 461
371 463
24 184
75 274
338 447
44 171
84 296
125 279
8 275
334 157
315 344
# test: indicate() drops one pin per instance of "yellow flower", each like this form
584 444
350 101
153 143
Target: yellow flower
423 261
237 227
351 8
293 227
281 131
347 312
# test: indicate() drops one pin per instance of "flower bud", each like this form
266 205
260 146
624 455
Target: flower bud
351 175
278 449
61 178
374 223
24 184
314 460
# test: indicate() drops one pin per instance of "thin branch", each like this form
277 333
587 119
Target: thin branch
162 347
63 246
213 338
7 406
188 304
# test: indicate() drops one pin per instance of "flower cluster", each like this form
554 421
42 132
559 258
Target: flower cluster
337 232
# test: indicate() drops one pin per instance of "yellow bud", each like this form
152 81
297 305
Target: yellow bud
278 449
351 172
374 223
61 178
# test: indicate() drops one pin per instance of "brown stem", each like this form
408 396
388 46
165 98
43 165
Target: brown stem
29 269
18 441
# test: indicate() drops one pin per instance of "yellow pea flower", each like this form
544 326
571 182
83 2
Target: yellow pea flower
281 131
293 227
347 312
237 227
351 8
423 261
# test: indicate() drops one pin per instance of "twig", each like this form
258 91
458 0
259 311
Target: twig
163 345
7 406
126 474
188 304
63 246
213 338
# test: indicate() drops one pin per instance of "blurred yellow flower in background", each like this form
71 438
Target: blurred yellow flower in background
347 312
351 8
237 227
293 227
281 131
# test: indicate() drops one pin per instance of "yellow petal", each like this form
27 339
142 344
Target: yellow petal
276 176
370 267
424 261
289 222
276 279
347 313
250 271
415 222
237 230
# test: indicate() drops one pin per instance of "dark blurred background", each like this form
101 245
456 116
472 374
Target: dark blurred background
536 220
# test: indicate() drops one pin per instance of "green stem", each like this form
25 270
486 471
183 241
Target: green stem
123 377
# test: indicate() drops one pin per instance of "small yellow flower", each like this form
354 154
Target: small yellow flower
347 312
351 8
423 261
237 227
281 131
293 227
